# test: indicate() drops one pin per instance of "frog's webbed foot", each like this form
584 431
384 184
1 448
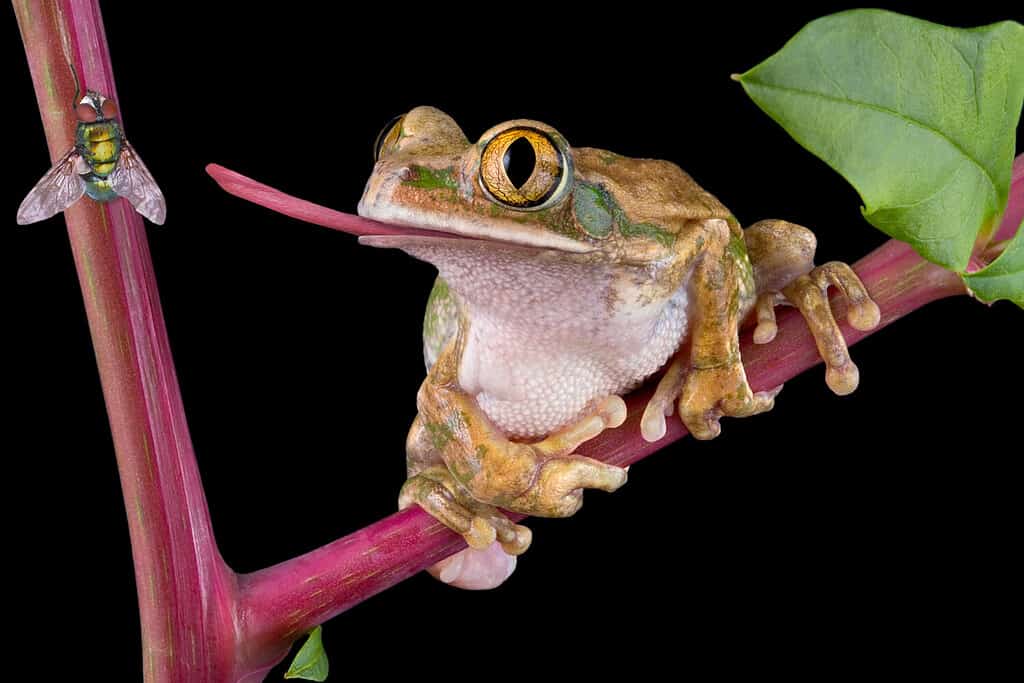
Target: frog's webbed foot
809 293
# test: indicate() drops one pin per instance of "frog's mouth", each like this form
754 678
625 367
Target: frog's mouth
448 250
405 222
418 240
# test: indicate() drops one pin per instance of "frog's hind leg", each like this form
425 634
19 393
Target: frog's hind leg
782 255
494 540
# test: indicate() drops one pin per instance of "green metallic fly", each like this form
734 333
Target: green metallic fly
101 165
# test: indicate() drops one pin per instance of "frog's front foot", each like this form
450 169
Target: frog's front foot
561 475
551 482
809 293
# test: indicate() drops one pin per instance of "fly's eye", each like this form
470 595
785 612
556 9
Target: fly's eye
388 137
523 168
109 109
85 113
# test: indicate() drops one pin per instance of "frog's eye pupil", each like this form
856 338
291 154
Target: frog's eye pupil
525 168
519 162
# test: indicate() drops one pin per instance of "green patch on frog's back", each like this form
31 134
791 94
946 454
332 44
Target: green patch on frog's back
648 230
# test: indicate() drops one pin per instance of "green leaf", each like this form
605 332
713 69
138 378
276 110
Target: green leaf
919 118
1004 277
310 663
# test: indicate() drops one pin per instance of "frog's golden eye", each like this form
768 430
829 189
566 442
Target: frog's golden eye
523 168
388 137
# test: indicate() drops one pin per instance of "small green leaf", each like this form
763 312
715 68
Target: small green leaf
919 118
1004 277
310 663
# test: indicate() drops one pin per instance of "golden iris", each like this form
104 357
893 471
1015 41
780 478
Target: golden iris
528 155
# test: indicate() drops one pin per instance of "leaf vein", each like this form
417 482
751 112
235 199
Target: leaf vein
886 110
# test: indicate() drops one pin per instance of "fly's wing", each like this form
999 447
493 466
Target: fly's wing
57 190
132 180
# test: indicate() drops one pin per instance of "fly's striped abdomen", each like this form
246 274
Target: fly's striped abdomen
100 145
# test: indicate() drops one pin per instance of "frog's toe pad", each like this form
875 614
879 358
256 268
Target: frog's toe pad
809 293
473 569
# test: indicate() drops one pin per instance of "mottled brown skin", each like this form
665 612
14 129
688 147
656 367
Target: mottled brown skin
668 234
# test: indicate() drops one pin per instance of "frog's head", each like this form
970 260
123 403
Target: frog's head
521 191
522 184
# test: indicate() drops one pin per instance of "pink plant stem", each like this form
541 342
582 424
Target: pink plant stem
200 622
186 593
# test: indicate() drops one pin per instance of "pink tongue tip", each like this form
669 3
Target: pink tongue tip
275 200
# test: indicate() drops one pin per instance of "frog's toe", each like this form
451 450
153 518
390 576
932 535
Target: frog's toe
608 413
652 424
662 403
766 327
809 293
863 313
557 490
473 569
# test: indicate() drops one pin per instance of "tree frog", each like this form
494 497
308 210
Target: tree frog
567 276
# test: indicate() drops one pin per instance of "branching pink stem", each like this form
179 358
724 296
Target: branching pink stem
202 623
285 600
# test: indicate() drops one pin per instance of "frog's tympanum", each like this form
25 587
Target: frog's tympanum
567 277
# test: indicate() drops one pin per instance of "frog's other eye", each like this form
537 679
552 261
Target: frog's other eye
524 168
388 137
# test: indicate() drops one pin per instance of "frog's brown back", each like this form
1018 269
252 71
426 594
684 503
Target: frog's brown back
649 189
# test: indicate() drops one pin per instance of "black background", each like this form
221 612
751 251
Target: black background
828 536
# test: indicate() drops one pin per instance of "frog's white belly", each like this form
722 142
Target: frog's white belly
531 380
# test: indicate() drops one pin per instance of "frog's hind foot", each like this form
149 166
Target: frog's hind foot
494 541
782 254
809 293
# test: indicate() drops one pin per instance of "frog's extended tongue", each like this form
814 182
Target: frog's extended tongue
275 200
